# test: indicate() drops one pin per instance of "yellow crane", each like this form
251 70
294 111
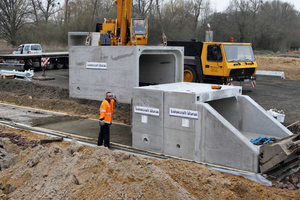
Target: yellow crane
124 30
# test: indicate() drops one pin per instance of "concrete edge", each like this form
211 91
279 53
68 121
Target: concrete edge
270 73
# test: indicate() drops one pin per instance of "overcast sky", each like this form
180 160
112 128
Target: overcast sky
221 5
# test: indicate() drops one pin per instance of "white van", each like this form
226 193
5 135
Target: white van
28 49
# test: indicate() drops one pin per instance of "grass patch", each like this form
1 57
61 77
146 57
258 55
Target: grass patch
263 52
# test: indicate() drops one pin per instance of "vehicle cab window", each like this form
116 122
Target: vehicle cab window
36 47
214 53
19 48
139 26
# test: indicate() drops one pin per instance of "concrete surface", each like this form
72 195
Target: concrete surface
61 78
23 115
119 133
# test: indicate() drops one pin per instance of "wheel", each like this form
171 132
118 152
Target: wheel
50 66
190 74
60 66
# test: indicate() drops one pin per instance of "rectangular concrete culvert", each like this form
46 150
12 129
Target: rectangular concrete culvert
157 69
96 69
202 124
80 38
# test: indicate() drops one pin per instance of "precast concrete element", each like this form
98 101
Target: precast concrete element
94 70
270 73
79 38
193 121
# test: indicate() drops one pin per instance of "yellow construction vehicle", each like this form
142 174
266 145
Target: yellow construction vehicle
124 30
217 62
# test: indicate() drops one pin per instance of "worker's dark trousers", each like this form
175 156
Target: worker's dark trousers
104 134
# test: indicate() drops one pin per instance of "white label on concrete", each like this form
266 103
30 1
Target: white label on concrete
185 122
96 65
144 119
146 110
183 113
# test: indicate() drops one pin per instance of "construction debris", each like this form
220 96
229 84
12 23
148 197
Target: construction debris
52 139
7 76
277 114
28 74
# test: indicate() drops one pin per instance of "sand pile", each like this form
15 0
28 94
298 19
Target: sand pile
69 170
290 66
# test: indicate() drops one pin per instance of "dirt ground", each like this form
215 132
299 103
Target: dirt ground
289 65
68 170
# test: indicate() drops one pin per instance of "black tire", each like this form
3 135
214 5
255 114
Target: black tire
189 74
60 66
50 66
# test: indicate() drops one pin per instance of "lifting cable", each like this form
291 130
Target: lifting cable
164 37
88 38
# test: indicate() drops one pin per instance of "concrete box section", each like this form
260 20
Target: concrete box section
94 70
80 38
193 121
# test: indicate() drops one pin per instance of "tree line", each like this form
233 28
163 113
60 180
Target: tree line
270 25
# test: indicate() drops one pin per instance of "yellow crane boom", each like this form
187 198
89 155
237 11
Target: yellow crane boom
124 30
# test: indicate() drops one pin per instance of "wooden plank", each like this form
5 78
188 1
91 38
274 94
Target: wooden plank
7 76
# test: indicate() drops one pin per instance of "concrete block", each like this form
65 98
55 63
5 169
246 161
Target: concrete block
223 144
179 143
147 120
199 123
255 119
148 142
176 101
79 38
94 70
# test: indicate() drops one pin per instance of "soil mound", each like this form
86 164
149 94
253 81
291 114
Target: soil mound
69 170
53 98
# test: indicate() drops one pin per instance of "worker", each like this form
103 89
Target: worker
105 118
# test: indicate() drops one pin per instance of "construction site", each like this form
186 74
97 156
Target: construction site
70 170
193 120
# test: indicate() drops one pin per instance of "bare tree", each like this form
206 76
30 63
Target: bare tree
254 8
240 10
47 8
13 16
197 11
177 17
35 11
141 7
279 26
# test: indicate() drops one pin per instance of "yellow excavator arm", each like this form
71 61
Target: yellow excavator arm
124 30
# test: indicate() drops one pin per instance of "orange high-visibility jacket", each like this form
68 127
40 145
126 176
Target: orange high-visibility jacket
106 111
